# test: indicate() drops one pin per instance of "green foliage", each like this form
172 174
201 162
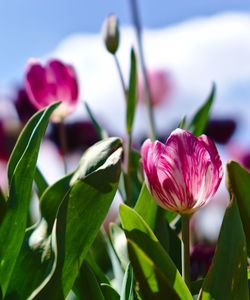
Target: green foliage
199 122
239 185
132 92
227 278
147 256
21 170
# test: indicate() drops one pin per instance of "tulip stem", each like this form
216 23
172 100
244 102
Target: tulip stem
137 25
63 143
185 249
121 76
127 168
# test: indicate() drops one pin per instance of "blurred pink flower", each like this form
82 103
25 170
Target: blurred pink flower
160 85
239 153
183 174
53 82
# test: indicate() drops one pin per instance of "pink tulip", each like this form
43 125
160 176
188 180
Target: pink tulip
160 85
184 174
51 83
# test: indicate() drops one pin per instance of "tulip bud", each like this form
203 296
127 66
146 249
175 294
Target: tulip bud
111 33
184 174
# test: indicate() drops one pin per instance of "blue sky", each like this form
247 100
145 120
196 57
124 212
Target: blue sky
31 28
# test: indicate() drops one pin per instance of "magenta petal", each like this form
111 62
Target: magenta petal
64 78
183 174
36 84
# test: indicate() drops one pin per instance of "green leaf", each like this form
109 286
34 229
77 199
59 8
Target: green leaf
34 262
3 206
52 198
153 283
182 122
239 181
78 221
86 285
156 218
119 243
96 156
138 232
199 122
128 284
41 183
109 292
100 275
101 132
132 92
146 207
21 172
227 278
116 266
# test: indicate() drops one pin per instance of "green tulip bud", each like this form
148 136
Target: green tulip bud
111 33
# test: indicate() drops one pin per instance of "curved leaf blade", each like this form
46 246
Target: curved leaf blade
138 232
239 183
199 122
21 172
227 278
79 218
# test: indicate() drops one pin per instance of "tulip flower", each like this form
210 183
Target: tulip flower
51 83
184 174
160 85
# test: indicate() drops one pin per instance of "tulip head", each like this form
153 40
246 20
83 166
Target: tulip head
183 174
51 83
111 33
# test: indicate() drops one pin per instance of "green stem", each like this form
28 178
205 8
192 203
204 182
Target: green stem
127 149
137 24
63 142
121 76
127 168
185 249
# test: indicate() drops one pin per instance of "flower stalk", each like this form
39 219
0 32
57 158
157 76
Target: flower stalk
137 25
185 249
63 143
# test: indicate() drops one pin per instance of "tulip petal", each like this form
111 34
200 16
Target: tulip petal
63 76
36 84
183 174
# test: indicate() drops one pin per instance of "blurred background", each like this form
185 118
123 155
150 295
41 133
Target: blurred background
187 44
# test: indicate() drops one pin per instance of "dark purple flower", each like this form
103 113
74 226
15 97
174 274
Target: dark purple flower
79 135
220 130
23 105
201 259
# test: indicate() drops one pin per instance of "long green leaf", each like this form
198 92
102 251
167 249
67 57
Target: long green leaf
128 284
86 286
109 292
132 92
140 233
52 198
100 131
41 183
21 172
239 181
153 283
199 122
227 278
119 243
35 261
79 218
146 207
